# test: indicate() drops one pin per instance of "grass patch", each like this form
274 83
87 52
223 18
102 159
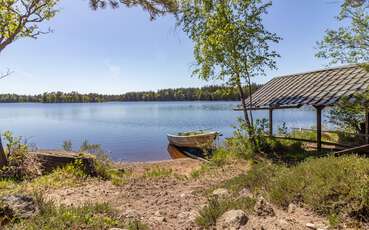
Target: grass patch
332 186
120 177
217 207
204 169
158 172
87 216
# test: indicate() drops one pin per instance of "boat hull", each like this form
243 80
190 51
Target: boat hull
201 141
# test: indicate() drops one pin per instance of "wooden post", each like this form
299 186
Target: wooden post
366 125
270 122
319 127
3 160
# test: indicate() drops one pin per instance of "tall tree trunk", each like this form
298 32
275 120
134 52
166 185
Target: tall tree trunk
3 160
244 108
250 99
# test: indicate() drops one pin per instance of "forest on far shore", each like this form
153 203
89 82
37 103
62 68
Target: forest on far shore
207 93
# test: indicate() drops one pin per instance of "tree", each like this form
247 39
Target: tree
230 42
21 19
349 113
154 7
350 42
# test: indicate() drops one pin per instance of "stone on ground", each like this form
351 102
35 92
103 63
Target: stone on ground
263 208
17 206
221 192
233 219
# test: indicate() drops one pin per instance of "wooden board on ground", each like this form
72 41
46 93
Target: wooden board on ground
363 149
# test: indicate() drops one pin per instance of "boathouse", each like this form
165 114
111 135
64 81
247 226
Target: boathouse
320 89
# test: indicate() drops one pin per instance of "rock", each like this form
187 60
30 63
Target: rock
189 216
283 224
221 192
17 206
311 226
263 208
233 219
291 208
131 214
158 219
245 193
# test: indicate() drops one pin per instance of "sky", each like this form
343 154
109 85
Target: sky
117 51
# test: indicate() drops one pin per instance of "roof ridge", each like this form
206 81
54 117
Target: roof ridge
319 70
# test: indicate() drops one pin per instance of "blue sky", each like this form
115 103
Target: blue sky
115 51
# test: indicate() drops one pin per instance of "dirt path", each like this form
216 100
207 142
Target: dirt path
170 202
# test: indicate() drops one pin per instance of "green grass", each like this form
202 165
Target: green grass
216 207
204 169
87 216
158 172
332 186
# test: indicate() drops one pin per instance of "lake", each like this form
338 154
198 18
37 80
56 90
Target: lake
129 131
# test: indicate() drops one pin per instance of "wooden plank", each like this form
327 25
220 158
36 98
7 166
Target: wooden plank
310 141
359 149
3 159
266 108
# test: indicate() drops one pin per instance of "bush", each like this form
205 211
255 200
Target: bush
256 180
103 164
330 185
21 165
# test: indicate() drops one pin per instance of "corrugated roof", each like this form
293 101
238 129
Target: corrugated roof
319 88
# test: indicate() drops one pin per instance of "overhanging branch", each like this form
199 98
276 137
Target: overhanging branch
6 74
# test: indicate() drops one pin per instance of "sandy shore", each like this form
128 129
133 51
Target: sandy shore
172 202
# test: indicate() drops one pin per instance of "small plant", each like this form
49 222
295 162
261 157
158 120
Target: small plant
137 225
157 172
120 177
283 130
103 164
21 165
67 145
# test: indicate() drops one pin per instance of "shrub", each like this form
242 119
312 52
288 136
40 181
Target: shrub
103 164
256 180
67 145
330 185
21 165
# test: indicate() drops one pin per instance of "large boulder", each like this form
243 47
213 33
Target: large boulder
17 206
233 219
263 208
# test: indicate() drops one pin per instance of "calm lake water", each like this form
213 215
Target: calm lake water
129 131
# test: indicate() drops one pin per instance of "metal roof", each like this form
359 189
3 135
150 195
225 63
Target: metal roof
318 88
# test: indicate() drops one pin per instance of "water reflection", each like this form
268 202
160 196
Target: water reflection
175 153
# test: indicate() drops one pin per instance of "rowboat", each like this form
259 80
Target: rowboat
195 139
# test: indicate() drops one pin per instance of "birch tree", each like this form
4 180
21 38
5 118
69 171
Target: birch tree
230 42
349 43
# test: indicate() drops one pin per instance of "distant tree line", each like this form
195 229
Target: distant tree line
207 93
